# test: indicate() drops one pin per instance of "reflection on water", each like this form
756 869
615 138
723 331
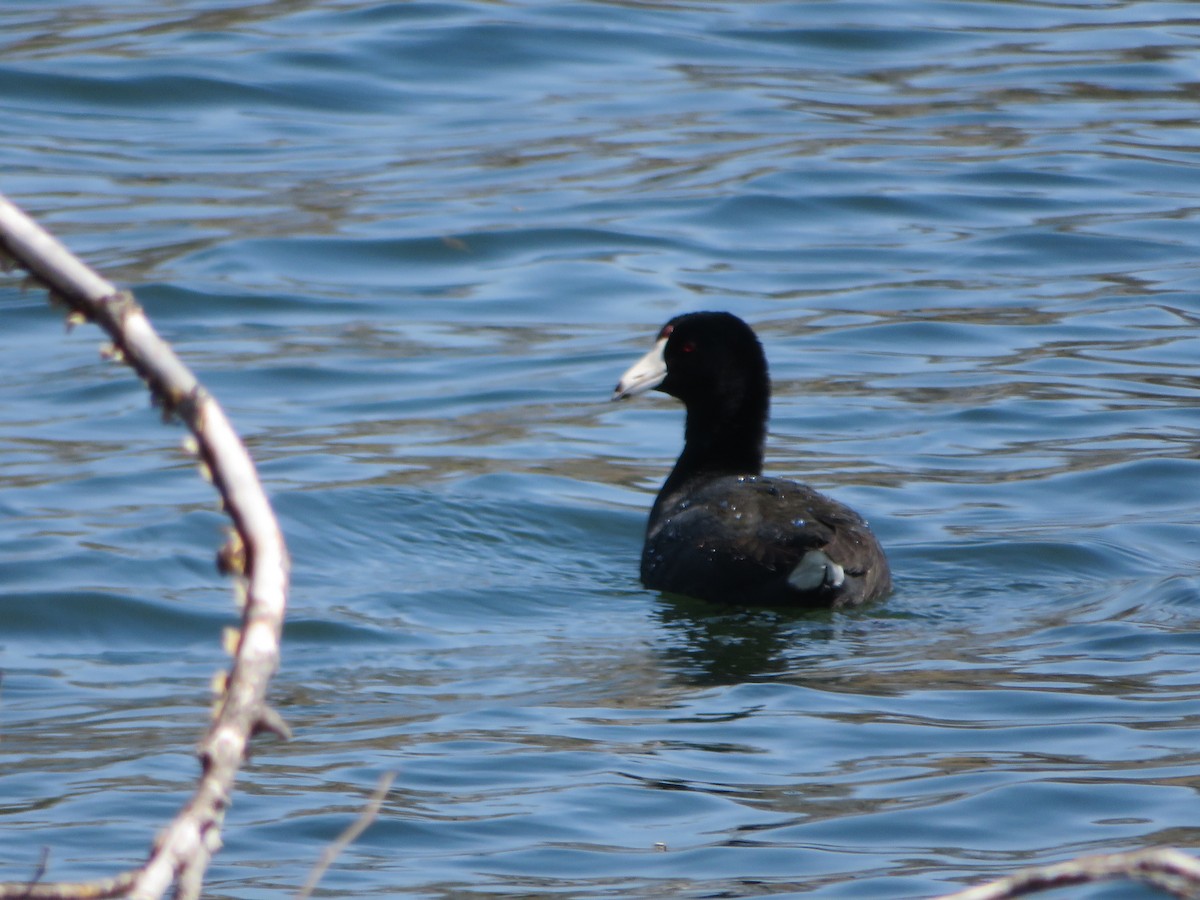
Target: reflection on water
713 645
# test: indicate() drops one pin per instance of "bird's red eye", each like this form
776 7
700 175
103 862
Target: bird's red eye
688 346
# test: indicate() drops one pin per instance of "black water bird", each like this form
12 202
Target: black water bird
719 529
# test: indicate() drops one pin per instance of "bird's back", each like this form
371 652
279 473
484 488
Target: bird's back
754 539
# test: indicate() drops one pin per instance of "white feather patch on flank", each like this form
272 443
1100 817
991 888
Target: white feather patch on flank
816 570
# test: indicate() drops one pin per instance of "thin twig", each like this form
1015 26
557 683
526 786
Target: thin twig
347 837
40 871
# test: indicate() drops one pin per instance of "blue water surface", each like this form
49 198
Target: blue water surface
411 247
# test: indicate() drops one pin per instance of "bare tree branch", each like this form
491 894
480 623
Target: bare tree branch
1166 869
255 555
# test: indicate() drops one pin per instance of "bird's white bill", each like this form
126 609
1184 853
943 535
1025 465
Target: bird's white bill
645 374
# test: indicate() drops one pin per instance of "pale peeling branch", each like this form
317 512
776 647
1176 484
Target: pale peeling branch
1166 869
255 555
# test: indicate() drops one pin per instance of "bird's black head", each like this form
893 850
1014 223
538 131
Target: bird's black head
713 362
708 359
714 359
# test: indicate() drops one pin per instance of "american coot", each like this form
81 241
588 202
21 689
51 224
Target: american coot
719 529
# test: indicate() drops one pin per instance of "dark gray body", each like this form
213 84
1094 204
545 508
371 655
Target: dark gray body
739 539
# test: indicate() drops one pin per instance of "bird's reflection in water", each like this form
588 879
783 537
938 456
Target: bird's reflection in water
711 644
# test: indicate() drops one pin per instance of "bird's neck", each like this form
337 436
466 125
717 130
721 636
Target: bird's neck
720 442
